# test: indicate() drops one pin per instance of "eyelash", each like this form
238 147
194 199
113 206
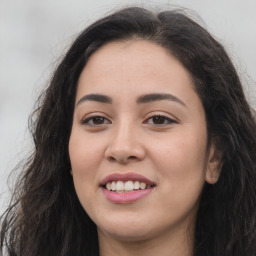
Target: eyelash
165 119
93 118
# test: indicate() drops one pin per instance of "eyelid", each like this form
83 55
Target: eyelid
171 119
90 116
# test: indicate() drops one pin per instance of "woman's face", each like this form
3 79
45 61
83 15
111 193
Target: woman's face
138 145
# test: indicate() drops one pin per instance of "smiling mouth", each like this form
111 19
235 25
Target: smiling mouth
127 186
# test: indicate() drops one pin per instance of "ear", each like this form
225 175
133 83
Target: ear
71 172
214 164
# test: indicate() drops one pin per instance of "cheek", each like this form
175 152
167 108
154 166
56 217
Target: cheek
181 162
182 150
85 158
85 153
182 174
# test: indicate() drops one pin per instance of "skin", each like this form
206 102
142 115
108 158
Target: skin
173 153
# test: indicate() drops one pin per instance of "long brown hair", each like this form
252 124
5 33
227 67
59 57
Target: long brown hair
45 216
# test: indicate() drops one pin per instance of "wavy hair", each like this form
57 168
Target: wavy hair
45 216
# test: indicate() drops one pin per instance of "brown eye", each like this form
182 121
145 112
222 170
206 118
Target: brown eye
159 120
98 120
95 120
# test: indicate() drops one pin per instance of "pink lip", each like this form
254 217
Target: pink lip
125 177
127 197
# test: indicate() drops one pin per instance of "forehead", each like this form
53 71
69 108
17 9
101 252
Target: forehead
134 65
139 52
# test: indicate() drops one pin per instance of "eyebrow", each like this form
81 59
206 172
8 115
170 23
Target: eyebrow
95 97
146 98
159 96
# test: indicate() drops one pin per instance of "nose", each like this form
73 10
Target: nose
125 145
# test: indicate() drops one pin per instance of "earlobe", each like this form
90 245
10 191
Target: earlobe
214 165
211 178
71 172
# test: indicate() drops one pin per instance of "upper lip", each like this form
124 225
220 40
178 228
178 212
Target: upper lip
126 177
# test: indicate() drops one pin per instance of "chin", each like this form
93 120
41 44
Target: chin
128 235
128 230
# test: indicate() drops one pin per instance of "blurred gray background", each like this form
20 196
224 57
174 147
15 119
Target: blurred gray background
35 34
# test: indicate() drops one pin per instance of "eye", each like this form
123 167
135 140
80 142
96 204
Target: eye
160 120
95 121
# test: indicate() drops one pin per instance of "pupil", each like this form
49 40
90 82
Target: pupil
98 120
158 119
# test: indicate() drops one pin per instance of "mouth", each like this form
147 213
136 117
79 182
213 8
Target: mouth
126 188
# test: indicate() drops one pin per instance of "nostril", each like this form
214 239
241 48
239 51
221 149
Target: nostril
122 160
111 158
124 153
132 157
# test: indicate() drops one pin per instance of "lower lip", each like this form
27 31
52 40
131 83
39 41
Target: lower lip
127 197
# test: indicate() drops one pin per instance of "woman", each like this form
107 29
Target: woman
144 144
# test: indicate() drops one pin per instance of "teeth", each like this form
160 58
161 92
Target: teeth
136 185
108 186
142 185
128 185
113 185
120 186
